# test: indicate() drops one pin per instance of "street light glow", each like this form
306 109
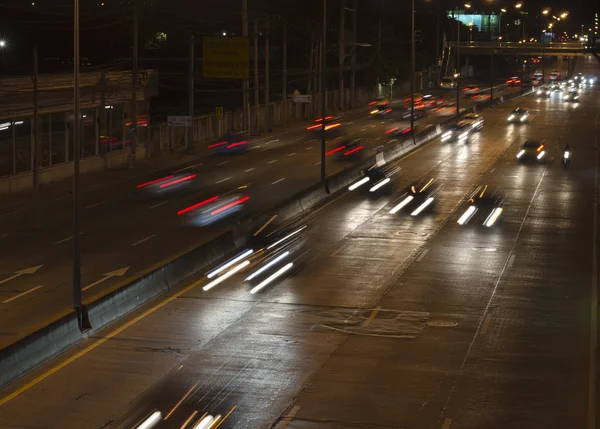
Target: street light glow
545 11
2 43
468 5
518 5
503 10
564 15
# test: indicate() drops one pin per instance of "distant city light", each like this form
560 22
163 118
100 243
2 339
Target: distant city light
2 43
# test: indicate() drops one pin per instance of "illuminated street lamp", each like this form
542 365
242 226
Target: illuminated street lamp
546 11
468 5
503 10
518 5
564 15
2 44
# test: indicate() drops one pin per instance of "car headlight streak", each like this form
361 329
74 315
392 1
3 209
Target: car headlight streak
467 215
493 217
511 117
359 183
272 277
380 184
225 276
541 154
402 204
422 207
267 266
521 153
223 267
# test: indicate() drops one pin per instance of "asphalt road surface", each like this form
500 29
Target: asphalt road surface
126 230
395 321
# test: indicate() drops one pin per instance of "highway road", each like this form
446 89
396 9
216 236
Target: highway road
393 321
126 230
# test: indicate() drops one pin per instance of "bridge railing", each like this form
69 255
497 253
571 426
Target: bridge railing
518 45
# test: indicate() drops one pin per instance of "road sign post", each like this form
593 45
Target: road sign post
219 115
301 98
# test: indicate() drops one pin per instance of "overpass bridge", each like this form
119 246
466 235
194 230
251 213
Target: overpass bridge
518 48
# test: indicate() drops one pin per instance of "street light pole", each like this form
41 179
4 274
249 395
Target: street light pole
412 73
458 66
323 93
81 317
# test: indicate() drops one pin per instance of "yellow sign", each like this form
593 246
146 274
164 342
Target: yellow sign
226 57
219 113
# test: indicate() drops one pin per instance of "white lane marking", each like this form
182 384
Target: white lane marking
222 163
308 148
511 261
299 138
272 141
272 161
91 206
292 154
372 316
286 420
223 180
188 168
143 240
3 235
376 138
64 240
364 129
22 294
492 170
486 324
157 205
447 423
249 170
422 255
348 123
318 163
373 126
277 181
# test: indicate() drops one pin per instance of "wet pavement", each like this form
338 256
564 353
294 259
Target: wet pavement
393 321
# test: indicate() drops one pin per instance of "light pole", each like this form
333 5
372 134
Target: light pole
324 94
412 73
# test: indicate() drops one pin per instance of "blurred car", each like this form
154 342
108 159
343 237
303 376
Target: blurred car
417 197
554 75
379 107
405 114
457 132
347 149
543 91
471 90
377 177
528 83
333 126
429 101
571 95
447 109
556 87
484 206
279 254
532 150
215 209
518 115
448 82
400 129
231 144
513 81
169 183
475 120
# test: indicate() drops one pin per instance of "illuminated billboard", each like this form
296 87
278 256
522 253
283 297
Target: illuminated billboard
484 23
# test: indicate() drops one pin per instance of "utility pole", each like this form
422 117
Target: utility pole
378 58
35 147
353 57
82 318
412 73
341 54
245 82
492 78
103 131
256 83
284 83
324 93
458 67
267 82
190 145
318 80
133 144
311 73
437 45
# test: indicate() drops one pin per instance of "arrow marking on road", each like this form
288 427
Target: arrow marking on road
30 270
22 294
116 273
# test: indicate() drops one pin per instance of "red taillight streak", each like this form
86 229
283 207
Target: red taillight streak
217 144
406 131
230 205
152 182
195 206
312 127
388 110
356 149
540 148
174 182
326 118
391 131
337 149
328 127
372 103
236 144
